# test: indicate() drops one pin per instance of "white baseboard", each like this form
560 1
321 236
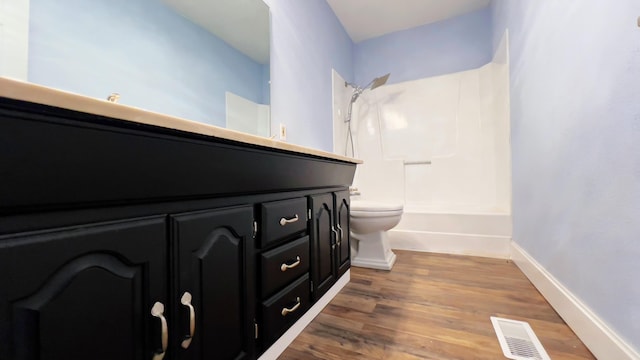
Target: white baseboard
287 338
493 246
603 342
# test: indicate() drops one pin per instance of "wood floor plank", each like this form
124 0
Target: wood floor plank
432 306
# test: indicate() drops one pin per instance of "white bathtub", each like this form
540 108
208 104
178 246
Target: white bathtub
465 230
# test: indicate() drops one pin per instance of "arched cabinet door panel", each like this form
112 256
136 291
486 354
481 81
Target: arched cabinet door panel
343 246
216 267
322 236
83 292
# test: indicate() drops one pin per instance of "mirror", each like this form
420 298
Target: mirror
202 60
243 24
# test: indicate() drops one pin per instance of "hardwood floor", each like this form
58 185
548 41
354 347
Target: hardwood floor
432 306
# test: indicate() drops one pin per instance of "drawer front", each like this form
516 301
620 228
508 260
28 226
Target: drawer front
283 219
282 265
284 309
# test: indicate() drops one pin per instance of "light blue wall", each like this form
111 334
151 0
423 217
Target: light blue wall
453 45
307 42
575 110
141 49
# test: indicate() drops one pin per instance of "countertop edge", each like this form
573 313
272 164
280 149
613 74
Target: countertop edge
24 91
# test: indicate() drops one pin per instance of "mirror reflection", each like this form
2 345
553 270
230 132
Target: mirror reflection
202 60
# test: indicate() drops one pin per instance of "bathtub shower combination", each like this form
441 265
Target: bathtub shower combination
439 146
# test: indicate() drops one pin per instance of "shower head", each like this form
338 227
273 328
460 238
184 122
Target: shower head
379 81
375 83
357 91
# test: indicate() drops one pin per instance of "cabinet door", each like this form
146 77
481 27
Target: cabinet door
322 244
215 264
83 292
343 248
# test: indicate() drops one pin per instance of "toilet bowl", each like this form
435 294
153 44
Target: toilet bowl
369 224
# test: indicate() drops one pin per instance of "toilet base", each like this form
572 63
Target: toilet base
373 251
385 264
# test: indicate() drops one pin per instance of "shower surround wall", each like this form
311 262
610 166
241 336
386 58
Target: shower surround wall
439 145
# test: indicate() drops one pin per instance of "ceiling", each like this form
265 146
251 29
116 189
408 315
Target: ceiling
243 24
366 19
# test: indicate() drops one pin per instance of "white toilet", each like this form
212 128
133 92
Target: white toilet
369 224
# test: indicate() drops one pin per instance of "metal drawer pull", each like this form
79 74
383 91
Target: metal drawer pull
285 221
341 234
284 267
158 311
295 307
186 301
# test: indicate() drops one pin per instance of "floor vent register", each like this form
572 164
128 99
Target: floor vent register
518 341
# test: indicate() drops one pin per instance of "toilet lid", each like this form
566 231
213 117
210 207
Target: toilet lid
361 205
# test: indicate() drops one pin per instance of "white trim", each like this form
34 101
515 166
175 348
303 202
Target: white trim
601 340
493 246
285 340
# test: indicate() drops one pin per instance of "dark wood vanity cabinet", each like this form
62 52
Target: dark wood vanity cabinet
322 243
129 241
284 266
330 239
90 292
343 243
214 259
84 292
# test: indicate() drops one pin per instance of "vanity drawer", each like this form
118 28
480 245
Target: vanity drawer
280 266
282 219
284 309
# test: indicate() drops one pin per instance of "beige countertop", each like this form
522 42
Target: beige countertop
30 92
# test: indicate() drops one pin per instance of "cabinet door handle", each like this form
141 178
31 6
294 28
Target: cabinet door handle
186 301
336 233
158 311
341 233
284 267
285 221
295 307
